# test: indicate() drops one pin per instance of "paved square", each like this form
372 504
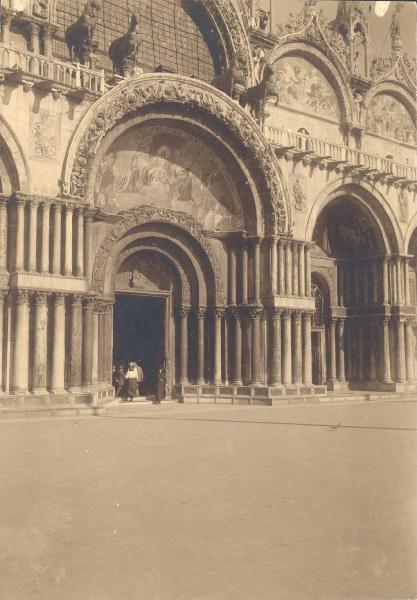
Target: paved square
211 503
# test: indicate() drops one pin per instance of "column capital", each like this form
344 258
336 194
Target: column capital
89 213
4 200
286 314
57 205
40 297
218 311
89 302
297 315
21 201
183 311
255 312
22 296
236 312
59 298
3 293
275 313
200 312
69 207
76 299
307 315
45 204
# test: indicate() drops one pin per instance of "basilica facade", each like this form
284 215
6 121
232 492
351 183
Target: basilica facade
183 184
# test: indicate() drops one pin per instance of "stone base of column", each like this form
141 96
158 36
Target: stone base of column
334 386
58 392
39 391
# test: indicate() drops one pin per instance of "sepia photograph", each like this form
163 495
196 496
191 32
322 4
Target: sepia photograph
208 300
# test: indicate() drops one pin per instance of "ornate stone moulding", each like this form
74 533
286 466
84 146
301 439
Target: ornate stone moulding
170 90
146 214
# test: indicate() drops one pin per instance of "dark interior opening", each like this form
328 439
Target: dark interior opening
139 335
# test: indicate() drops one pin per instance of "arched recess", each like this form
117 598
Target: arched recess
199 102
176 234
371 201
397 92
304 49
14 170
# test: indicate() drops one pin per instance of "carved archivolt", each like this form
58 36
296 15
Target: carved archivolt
146 214
127 252
395 89
155 88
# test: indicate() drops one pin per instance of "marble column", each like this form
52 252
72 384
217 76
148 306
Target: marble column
95 344
365 283
341 350
218 313
58 346
361 353
79 267
406 278
301 270
375 283
68 240
21 345
409 350
385 354
244 271
298 356
237 350
40 343
307 354
183 344
286 348
275 344
255 315
3 234
357 277
232 275
87 342
34 31
56 256
393 282
47 39
372 344
281 266
400 350
20 234
295 273
101 335
332 350
308 270
385 284
274 264
200 314
88 235
108 333
76 343
33 229
256 270
45 208
288 269
398 275
3 295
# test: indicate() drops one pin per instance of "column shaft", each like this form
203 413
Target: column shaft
295 269
288 269
372 350
56 256
385 285
409 350
398 275
361 353
298 357
237 354
400 354
256 345
287 349
406 282
88 232
281 267
21 345
386 355
307 356
2 297
308 270
183 330
274 266
40 343
256 271
275 362
200 345
45 238
341 350
332 349
20 235
217 373
76 344
68 241
58 345
87 343
232 275
244 272
33 212
301 270
79 267
3 234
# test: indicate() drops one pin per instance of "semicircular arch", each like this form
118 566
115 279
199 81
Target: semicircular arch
391 88
14 159
215 108
371 200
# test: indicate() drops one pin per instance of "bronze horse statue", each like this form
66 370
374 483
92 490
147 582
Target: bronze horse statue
80 35
257 95
123 51
233 81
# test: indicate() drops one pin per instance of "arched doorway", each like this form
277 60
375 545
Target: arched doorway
363 333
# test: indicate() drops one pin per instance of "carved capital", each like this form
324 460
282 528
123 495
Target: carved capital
59 299
22 296
76 300
182 312
3 294
40 298
275 313
255 312
89 303
218 312
286 314
200 312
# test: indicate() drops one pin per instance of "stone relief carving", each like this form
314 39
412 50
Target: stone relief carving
44 139
147 90
299 192
146 214
403 205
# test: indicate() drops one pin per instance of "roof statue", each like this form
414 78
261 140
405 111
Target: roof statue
124 50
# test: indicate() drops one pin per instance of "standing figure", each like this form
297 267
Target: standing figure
160 385
80 36
119 382
140 374
132 381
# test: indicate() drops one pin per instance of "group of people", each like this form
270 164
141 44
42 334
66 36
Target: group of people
126 382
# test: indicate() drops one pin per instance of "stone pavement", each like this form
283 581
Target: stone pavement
211 503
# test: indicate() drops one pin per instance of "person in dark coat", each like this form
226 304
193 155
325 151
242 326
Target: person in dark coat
119 382
160 385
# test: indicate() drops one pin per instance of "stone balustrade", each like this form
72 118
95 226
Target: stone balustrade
338 156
